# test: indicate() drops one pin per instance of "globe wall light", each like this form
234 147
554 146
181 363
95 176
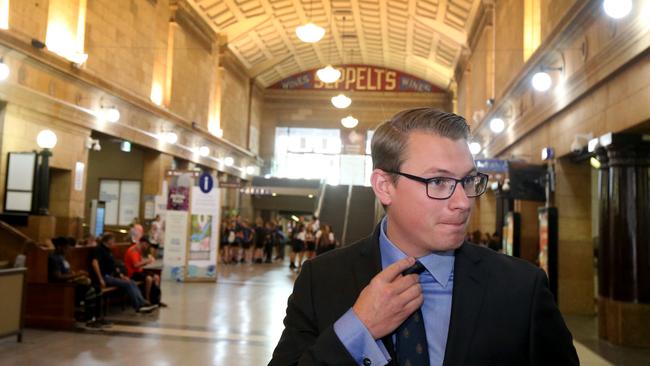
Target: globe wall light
497 125
617 9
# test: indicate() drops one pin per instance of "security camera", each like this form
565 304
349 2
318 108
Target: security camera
489 102
576 147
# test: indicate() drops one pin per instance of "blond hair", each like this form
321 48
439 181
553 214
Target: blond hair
390 138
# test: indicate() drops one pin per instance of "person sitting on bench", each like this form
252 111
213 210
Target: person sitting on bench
58 270
135 264
108 274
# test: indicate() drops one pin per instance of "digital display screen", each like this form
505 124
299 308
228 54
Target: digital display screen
99 221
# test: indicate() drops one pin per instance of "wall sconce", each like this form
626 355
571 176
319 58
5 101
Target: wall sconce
204 151
497 125
617 9
542 81
169 137
109 114
4 70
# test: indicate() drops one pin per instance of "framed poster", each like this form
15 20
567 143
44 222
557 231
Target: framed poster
191 226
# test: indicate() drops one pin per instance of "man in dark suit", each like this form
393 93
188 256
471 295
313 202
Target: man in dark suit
414 293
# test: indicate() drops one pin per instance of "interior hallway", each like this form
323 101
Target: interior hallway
236 322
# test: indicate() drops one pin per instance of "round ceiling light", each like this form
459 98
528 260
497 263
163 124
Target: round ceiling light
617 9
497 125
328 74
474 148
341 101
349 122
229 161
542 81
310 33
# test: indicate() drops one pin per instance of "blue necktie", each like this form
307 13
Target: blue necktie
411 338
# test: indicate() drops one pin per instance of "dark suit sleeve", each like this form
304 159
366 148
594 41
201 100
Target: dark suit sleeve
301 342
551 342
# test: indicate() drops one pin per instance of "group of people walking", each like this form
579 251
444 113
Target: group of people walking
265 242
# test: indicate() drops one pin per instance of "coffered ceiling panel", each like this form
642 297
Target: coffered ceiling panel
423 37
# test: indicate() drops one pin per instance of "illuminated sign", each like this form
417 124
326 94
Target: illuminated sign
360 78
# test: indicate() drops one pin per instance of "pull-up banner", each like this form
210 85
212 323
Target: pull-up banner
360 78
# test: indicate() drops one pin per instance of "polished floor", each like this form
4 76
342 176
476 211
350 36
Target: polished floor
236 321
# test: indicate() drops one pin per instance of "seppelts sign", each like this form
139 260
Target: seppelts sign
359 78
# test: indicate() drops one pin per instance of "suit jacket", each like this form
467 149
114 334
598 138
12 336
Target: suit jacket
502 310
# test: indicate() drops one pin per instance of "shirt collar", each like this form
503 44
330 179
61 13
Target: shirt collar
439 264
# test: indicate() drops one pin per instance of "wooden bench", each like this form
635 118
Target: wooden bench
52 305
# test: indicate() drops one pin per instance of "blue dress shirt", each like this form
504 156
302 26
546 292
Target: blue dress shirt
437 285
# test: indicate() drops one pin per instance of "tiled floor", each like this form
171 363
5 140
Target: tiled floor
234 322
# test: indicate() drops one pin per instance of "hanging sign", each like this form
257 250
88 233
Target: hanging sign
360 78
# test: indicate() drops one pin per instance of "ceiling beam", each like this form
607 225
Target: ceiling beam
445 30
264 66
243 27
434 66
356 15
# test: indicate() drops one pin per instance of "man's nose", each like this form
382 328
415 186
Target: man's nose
459 199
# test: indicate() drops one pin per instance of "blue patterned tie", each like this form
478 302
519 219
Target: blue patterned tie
411 338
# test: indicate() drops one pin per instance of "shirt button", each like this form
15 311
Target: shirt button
367 362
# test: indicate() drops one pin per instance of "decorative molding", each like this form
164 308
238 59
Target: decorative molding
21 49
190 20
628 44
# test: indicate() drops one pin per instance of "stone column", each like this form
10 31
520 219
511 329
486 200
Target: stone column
624 242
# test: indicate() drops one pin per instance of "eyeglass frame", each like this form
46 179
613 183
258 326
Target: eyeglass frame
426 182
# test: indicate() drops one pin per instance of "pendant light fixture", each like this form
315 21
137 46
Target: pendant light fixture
310 32
329 74
341 101
349 122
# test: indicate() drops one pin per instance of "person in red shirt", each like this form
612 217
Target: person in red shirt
135 263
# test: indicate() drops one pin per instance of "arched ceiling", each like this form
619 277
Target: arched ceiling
422 37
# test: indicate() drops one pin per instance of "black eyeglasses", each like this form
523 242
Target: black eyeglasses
441 188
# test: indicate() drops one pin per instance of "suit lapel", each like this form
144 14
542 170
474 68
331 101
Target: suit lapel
365 268
468 293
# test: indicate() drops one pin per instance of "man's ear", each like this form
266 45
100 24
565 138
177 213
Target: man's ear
382 185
